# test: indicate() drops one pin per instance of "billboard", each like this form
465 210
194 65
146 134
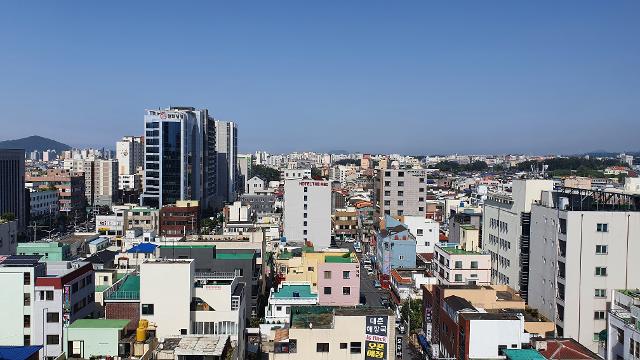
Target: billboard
376 337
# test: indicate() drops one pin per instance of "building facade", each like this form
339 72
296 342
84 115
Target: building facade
400 192
307 212
12 179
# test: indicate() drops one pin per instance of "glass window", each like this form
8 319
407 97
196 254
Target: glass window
53 339
458 264
327 274
53 317
147 309
327 290
346 274
322 347
356 347
346 290
458 277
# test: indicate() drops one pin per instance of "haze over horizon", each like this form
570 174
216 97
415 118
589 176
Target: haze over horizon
411 77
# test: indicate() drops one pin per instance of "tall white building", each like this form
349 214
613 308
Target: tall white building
307 211
583 246
105 182
226 161
130 156
505 232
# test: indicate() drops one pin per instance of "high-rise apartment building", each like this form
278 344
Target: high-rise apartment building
582 247
105 182
505 232
400 192
179 159
307 212
227 161
130 156
244 171
12 192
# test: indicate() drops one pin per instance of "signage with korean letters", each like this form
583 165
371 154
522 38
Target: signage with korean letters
376 340
399 347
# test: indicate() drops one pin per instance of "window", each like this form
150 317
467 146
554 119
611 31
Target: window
400 202
327 274
322 347
147 309
49 294
601 293
305 198
356 347
53 339
601 249
183 331
601 271
386 193
27 340
305 188
401 257
400 193
278 308
596 336
474 264
598 315
27 299
26 319
343 345
327 290
304 223
346 274
53 317
458 265
602 227
400 183
310 268
346 290
27 278
400 173
458 277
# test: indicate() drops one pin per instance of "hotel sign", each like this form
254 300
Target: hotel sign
376 337
314 183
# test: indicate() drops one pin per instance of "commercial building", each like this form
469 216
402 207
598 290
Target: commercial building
623 326
582 248
143 217
227 162
454 265
179 156
318 332
43 202
71 188
105 182
48 250
400 192
307 212
180 219
506 232
65 294
345 223
12 179
130 155
478 322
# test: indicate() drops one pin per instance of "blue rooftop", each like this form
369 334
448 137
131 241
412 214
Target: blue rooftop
99 240
390 222
18 352
143 248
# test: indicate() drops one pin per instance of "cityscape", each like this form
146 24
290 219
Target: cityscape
197 235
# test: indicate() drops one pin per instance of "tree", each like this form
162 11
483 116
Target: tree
8 216
348 162
316 173
412 307
265 172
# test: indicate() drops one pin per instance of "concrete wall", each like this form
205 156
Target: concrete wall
96 341
486 335
318 228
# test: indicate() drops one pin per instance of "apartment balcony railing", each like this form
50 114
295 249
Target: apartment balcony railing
214 275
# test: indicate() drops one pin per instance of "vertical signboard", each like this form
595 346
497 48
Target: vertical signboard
399 347
377 338
66 304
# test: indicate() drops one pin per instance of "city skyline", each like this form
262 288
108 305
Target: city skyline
517 78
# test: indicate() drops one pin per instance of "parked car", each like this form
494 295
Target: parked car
369 272
385 302
377 284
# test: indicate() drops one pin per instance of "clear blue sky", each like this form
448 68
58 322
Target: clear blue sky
373 76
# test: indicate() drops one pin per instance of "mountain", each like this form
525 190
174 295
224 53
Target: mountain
34 142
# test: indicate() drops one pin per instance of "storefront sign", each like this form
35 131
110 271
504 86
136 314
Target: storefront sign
376 340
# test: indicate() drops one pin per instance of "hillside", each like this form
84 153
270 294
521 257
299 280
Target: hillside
34 142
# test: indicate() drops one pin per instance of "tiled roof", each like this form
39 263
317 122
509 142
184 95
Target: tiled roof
566 349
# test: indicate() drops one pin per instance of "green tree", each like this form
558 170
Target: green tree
265 172
412 307
8 216
348 162
316 173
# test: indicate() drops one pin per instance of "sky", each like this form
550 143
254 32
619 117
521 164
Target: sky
410 77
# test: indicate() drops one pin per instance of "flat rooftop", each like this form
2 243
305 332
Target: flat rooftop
207 345
128 290
452 250
290 291
99 324
523 354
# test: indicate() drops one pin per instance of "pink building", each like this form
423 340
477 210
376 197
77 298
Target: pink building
339 281
458 266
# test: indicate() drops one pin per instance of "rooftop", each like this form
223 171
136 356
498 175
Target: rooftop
452 249
235 256
297 291
128 290
346 258
143 248
208 345
522 354
99 324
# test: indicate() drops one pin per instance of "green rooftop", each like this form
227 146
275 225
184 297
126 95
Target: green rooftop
129 290
101 288
523 354
320 316
236 256
303 291
285 256
346 258
188 246
452 250
99 324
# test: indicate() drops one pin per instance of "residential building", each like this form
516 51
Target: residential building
95 338
105 182
130 155
180 219
282 298
143 217
506 232
395 247
255 185
47 250
12 182
465 218
87 168
400 192
244 170
121 299
425 231
318 332
114 224
227 162
179 157
623 326
454 265
338 280
8 237
71 189
345 223
307 212
583 250
17 277
43 202
259 204
65 294
478 322
295 174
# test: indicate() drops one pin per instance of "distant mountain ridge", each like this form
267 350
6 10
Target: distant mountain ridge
34 142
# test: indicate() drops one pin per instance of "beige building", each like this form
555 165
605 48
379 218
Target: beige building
333 333
455 265
400 192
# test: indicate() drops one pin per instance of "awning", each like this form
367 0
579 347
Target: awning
423 342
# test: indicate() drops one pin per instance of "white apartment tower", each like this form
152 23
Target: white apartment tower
583 246
399 192
307 211
505 232
226 161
